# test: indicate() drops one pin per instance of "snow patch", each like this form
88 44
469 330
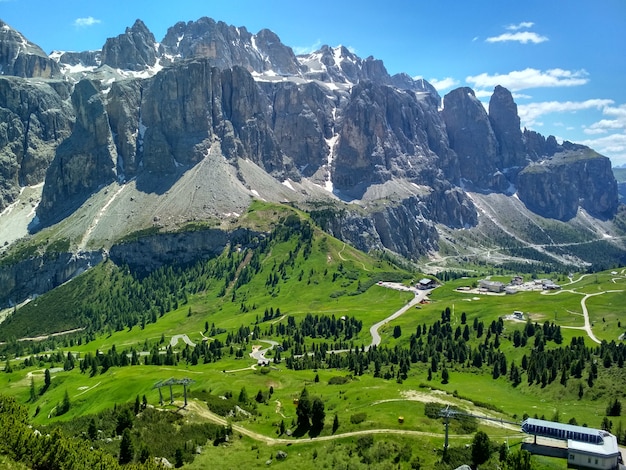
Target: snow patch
331 142
288 184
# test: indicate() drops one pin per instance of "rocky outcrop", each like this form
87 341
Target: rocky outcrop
83 162
399 227
450 207
226 46
302 122
84 58
385 133
37 275
133 50
34 120
184 109
537 146
575 177
22 58
505 123
147 254
123 107
472 138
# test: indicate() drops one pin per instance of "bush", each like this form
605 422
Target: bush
339 380
358 418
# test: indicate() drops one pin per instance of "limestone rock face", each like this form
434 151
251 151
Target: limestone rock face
83 58
34 119
575 176
226 46
123 107
149 253
506 126
387 133
22 58
133 50
472 138
38 275
302 122
84 161
184 109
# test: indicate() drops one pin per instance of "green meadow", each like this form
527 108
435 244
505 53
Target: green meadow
325 278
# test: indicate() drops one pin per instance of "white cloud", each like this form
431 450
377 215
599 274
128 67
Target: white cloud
529 113
483 94
300 50
530 78
523 37
603 126
612 145
522 25
444 83
85 22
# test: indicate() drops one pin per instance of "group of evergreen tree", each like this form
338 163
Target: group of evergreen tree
21 443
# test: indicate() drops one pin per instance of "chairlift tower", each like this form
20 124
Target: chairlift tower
448 413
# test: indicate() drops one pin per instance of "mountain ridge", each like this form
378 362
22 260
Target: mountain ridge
393 164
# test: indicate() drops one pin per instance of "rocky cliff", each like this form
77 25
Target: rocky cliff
35 117
21 58
147 254
133 50
39 274
338 127
572 178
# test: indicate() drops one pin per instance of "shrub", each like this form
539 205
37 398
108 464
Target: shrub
339 380
358 418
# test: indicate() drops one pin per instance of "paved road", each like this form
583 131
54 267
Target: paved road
419 296
258 354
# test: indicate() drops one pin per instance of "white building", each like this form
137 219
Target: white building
587 455
587 448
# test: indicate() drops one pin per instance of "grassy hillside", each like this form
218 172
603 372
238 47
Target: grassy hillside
310 294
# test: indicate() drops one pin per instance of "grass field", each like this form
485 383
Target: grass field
310 287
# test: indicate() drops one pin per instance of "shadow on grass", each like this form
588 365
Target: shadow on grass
313 431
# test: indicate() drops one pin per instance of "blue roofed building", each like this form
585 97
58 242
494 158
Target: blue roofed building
587 448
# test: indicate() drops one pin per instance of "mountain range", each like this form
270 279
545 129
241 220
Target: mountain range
129 151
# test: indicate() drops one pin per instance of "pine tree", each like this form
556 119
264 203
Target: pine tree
92 430
336 423
33 393
481 448
303 411
127 449
318 414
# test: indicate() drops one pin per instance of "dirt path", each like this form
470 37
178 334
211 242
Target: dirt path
200 409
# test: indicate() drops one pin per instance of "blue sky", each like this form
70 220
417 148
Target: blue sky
564 61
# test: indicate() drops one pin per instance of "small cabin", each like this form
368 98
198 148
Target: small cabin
426 284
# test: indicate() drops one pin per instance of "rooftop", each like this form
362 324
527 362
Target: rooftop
608 448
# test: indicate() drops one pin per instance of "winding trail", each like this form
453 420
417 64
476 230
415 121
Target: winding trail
583 304
419 296
201 410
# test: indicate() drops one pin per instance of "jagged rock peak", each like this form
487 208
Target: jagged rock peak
22 58
472 138
226 46
134 50
339 64
506 126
